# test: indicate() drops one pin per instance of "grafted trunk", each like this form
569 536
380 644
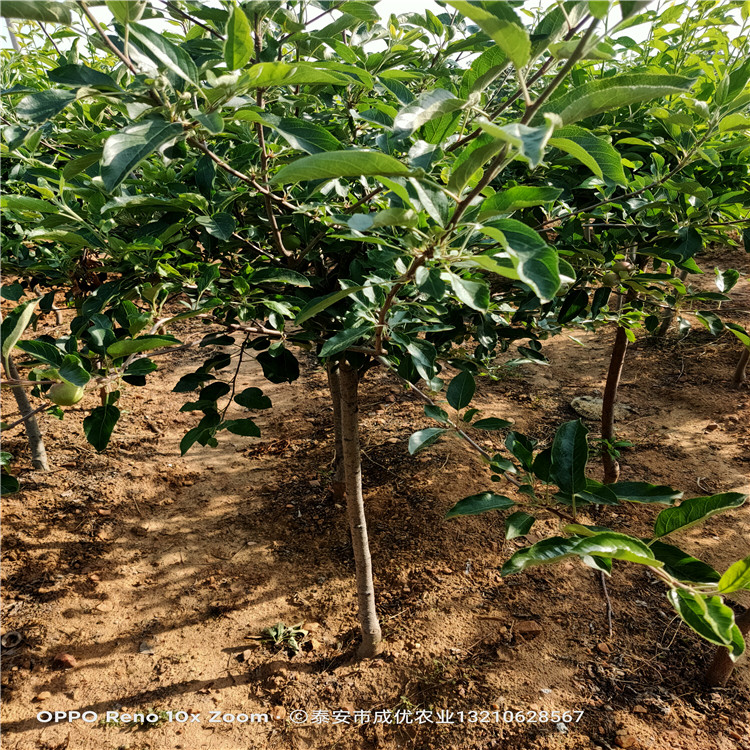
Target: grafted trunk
740 373
334 386
36 444
721 668
616 362
355 509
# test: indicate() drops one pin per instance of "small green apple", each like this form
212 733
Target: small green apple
65 394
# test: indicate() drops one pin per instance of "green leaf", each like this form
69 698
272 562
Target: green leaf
710 618
597 493
124 150
617 546
522 448
126 11
474 294
682 566
737 577
82 163
570 454
25 203
82 75
601 95
344 339
530 142
738 330
220 225
244 427
517 197
42 351
46 11
643 492
305 136
472 159
314 306
564 50
126 347
253 398
211 121
362 10
429 282
61 236
461 390
423 356
202 434
425 438
238 47
44 104
500 23
481 503
518 524
426 107
165 53
492 423
534 261
98 425
12 292
547 551
434 201
73 371
8 484
263 75
334 164
388 217
279 367
598 154
725 280
694 510
279 276
436 413
14 326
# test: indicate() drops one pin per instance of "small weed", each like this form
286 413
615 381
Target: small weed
284 636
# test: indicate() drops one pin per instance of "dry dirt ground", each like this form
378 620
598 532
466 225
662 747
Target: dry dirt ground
153 571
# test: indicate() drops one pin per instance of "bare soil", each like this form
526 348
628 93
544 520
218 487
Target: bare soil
155 571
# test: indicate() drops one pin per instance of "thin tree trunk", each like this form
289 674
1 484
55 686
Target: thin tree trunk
36 444
616 362
740 374
338 486
355 509
722 666
12 35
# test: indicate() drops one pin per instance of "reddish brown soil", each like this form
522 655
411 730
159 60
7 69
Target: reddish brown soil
139 548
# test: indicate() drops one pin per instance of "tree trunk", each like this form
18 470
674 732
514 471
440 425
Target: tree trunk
616 362
740 374
721 668
36 444
334 386
355 509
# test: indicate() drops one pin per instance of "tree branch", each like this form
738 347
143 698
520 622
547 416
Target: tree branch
187 17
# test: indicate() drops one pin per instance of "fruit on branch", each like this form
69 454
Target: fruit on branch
65 393
610 279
